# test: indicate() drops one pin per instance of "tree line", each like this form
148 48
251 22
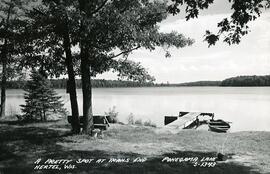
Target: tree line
96 83
102 83
200 83
247 81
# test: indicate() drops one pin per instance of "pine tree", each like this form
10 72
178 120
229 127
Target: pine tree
41 100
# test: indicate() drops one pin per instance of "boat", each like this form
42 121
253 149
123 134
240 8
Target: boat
218 125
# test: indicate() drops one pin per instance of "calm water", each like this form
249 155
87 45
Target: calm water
248 108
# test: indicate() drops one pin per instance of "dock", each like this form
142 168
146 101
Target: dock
185 120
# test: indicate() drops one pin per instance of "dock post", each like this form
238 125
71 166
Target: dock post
212 117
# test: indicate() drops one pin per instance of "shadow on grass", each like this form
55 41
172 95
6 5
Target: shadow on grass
25 123
12 122
20 147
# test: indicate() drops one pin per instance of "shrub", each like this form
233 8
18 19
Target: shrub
139 122
149 123
112 115
130 119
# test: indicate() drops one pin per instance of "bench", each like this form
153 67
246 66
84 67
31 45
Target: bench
100 121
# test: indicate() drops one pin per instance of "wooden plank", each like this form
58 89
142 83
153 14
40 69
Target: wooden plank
99 121
184 121
101 126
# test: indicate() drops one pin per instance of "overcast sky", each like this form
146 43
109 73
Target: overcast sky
198 62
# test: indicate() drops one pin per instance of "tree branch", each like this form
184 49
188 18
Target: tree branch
124 52
39 12
99 8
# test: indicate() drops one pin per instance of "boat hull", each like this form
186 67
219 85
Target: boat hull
219 126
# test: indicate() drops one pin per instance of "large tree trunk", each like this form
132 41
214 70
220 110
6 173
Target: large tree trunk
72 86
87 92
3 83
86 75
4 68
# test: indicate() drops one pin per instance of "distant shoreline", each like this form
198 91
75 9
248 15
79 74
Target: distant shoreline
239 81
160 87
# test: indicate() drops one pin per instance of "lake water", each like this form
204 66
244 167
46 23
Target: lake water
247 107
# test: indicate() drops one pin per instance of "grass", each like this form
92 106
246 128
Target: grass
149 123
21 145
139 122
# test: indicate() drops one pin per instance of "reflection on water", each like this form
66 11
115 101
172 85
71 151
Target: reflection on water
247 107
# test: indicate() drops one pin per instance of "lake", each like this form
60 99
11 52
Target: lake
246 107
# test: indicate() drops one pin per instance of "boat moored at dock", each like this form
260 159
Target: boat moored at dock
220 126
193 120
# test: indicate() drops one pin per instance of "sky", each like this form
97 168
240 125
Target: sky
198 62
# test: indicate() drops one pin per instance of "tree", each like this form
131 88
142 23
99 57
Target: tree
50 42
41 100
12 18
5 25
244 11
103 31
107 26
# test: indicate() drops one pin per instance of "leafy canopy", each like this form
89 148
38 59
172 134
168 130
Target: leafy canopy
232 29
113 30
13 23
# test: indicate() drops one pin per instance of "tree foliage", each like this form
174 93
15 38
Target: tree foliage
120 28
231 29
11 24
104 33
114 30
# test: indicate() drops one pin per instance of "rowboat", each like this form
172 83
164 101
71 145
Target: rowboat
218 125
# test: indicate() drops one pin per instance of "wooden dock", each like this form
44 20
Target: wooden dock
185 120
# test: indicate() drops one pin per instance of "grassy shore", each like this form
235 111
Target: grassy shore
22 145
